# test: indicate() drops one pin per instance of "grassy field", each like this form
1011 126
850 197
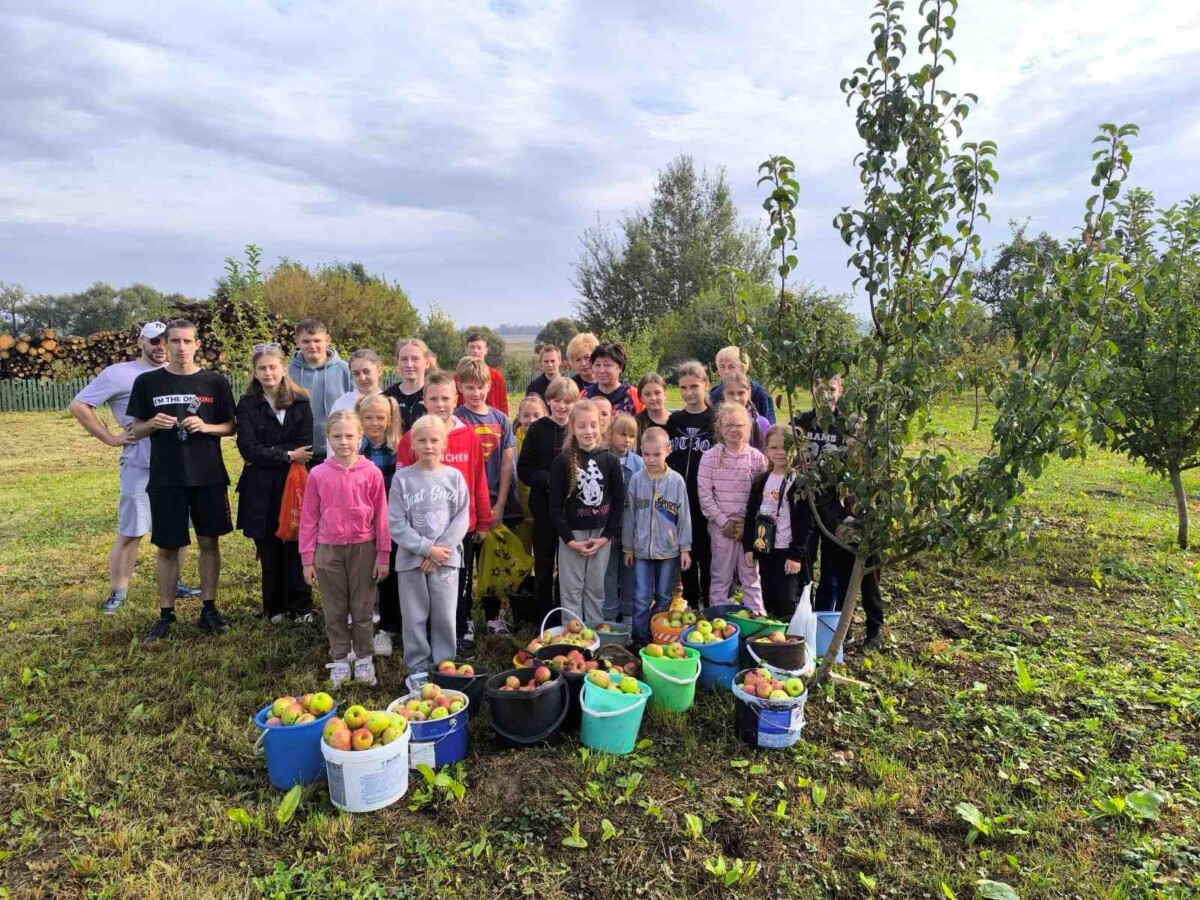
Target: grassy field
120 765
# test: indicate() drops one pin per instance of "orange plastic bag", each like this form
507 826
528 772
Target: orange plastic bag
293 502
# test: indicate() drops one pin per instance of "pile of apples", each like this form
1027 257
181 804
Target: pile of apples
299 710
707 632
674 650
754 617
574 633
764 685
431 702
615 682
777 637
541 676
679 618
450 668
572 661
362 729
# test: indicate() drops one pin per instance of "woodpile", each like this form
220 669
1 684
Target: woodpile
44 354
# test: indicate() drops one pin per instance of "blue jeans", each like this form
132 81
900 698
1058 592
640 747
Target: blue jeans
655 585
618 587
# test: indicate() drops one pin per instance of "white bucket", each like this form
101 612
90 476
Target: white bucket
366 780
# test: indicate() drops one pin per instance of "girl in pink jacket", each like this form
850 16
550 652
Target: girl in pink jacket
346 545
724 478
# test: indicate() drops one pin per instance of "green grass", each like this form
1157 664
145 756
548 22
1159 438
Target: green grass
120 765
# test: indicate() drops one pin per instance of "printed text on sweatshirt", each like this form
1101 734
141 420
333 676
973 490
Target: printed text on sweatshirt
428 509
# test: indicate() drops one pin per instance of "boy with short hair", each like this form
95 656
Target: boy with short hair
477 348
550 359
498 445
318 369
463 452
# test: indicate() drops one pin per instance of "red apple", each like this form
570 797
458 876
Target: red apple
340 739
362 739
513 682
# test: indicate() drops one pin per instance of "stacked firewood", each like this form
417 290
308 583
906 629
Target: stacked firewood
44 354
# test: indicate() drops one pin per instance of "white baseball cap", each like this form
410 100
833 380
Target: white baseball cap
153 329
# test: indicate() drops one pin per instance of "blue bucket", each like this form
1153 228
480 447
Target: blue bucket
827 623
437 742
718 661
293 752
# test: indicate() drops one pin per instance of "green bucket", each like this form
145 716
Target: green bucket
611 720
672 680
752 628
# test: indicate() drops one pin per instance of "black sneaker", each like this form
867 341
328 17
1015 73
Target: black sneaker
186 591
212 621
465 650
112 604
873 644
160 630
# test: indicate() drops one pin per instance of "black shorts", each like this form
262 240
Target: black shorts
173 508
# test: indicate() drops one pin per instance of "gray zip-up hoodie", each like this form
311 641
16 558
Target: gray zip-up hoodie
325 384
657 523
427 509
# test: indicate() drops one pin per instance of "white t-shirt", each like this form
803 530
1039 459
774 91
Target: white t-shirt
112 386
347 400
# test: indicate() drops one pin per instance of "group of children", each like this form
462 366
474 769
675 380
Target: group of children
616 497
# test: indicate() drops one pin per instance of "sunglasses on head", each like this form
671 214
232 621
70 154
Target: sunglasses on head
259 348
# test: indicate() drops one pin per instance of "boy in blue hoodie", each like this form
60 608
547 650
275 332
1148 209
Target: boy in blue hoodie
317 368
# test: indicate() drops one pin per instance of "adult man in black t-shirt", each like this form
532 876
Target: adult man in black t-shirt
185 411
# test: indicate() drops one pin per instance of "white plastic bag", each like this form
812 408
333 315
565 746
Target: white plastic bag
804 624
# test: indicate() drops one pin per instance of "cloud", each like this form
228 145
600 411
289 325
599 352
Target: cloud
462 148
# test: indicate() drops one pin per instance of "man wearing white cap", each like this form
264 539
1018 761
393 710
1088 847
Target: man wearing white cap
112 386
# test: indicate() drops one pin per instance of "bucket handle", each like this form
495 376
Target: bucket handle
806 669
260 744
682 682
570 612
453 728
612 712
518 739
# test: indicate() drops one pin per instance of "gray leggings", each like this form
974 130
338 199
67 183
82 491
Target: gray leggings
581 579
427 606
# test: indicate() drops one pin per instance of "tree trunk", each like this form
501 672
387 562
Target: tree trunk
975 424
1181 507
843 629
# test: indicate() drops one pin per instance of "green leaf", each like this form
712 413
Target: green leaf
1143 804
818 795
867 881
573 839
1025 682
947 893
608 831
970 814
239 815
738 763
995 890
695 826
287 808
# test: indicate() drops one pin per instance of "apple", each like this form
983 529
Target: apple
655 650
340 739
426 707
334 724
390 734
429 691
513 682
442 701
274 722
779 695
413 705
689 618
525 687
630 686
362 739
448 668
280 705
417 717
356 717
466 670
306 718
440 713
718 624
456 706
305 700
588 635
320 704
794 687
292 714
763 689
377 723
574 626
598 678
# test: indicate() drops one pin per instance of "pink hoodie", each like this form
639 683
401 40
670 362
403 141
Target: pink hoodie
345 506
724 480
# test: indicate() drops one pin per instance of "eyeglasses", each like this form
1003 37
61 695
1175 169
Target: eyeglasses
154 342
259 348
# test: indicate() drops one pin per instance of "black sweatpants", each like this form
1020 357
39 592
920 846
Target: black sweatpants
466 584
389 599
698 577
283 587
779 590
545 552
836 565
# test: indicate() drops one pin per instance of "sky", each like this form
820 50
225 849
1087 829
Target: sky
462 148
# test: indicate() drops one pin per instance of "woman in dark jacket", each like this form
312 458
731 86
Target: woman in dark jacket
274 430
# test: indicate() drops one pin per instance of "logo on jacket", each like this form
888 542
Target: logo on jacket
591 484
692 440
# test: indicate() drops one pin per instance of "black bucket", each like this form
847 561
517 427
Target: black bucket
574 680
524 718
471 685
788 657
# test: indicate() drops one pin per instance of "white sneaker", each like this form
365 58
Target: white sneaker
339 671
416 681
278 619
498 626
364 671
382 645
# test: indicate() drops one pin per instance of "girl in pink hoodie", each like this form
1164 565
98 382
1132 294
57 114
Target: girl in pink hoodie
724 477
345 543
